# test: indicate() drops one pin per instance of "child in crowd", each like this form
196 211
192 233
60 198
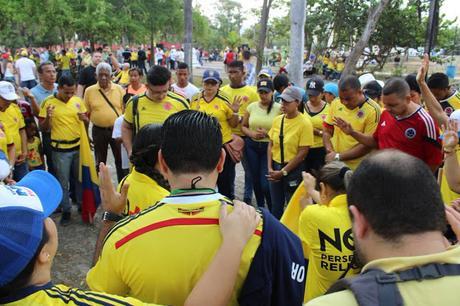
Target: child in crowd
34 146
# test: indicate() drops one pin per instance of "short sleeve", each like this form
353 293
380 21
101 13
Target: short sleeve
43 113
129 112
329 120
272 132
372 121
306 136
86 100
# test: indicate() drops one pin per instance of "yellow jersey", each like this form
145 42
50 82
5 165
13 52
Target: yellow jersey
159 254
298 132
123 77
100 112
248 95
451 104
34 153
149 111
258 118
64 62
5 139
317 119
65 124
441 291
57 295
13 119
363 119
325 231
218 107
143 192
340 67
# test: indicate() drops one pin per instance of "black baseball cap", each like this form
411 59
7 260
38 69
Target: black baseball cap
265 85
315 86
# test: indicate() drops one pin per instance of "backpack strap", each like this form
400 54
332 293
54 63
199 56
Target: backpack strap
282 140
378 288
135 116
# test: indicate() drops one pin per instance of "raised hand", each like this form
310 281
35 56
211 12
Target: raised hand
343 125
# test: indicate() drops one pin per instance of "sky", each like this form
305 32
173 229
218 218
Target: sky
451 8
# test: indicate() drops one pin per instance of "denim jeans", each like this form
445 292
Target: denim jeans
29 84
66 165
226 179
20 170
256 156
282 191
248 185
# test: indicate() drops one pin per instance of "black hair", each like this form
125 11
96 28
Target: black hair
236 64
411 80
182 65
23 278
63 51
66 80
397 194
139 71
158 75
99 50
247 54
40 67
396 86
438 80
280 82
373 90
336 175
349 82
192 142
145 153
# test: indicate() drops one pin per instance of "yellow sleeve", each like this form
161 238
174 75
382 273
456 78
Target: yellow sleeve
82 106
9 137
105 276
330 115
372 121
86 101
43 113
129 112
21 122
228 111
306 136
307 229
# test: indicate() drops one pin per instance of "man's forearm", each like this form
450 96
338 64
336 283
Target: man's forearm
452 171
105 229
127 137
327 140
367 140
434 108
23 134
356 152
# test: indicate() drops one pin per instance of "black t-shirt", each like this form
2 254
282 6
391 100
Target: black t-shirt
88 76
126 55
141 55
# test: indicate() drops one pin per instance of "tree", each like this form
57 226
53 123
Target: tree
229 18
297 41
263 33
373 17
188 17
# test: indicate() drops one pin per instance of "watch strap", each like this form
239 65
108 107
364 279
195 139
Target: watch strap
109 216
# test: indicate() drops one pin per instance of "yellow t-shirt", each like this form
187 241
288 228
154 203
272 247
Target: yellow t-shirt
5 139
123 76
325 231
149 111
340 67
57 295
64 62
65 124
134 56
258 118
298 132
143 192
317 119
34 158
160 254
219 107
364 119
247 93
451 104
440 291
100 112
13 119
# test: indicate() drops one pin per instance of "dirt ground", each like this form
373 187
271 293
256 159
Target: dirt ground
77 242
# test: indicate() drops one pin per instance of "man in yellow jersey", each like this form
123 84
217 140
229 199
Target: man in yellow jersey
155 106
362 113
64 63
448 97
7 97
237 89
62 113
104 103
159 254
398 220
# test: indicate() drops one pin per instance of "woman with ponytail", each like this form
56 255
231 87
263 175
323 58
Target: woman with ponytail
257 121
146 184
325 229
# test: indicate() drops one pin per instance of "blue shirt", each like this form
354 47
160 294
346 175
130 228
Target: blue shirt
41 93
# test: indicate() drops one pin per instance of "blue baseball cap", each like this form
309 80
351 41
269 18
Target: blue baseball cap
211 75
23 208
332 88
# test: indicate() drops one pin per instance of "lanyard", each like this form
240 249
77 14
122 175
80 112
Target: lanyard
189 190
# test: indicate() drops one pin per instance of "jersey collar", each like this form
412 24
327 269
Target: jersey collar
339 201
23 293
447 99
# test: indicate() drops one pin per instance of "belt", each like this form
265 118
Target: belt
110 128
64 142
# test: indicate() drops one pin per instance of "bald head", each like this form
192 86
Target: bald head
397 194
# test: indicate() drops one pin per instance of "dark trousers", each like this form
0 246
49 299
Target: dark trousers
256 157
102 138
315 159
141 66
46 141
226 179
29 84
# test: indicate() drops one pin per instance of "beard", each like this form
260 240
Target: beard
359 259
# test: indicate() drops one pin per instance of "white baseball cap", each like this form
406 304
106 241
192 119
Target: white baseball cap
7 91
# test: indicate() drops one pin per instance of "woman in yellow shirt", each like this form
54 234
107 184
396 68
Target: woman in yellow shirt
257 121
291 136
325 229
146 184
212 102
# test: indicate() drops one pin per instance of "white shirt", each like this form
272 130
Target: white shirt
159 54
188 92
26 67
116 133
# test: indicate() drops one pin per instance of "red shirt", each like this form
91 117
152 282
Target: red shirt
417 135
26 109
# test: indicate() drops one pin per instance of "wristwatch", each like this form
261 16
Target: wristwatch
337 157
109 216
285 173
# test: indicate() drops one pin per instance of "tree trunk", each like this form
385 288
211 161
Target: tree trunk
188 30
263 33
372 20
152 48
298 10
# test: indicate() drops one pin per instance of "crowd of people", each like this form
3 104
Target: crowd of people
347 206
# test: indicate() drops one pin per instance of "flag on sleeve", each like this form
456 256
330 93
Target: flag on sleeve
292 212
91 197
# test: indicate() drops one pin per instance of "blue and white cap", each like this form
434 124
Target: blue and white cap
211 75
23 208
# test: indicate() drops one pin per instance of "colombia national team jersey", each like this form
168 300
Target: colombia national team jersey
451 104
416 134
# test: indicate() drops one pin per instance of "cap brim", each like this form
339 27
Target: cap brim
10 97
287 98
264 75
46 187
313 92
264 89
212 78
